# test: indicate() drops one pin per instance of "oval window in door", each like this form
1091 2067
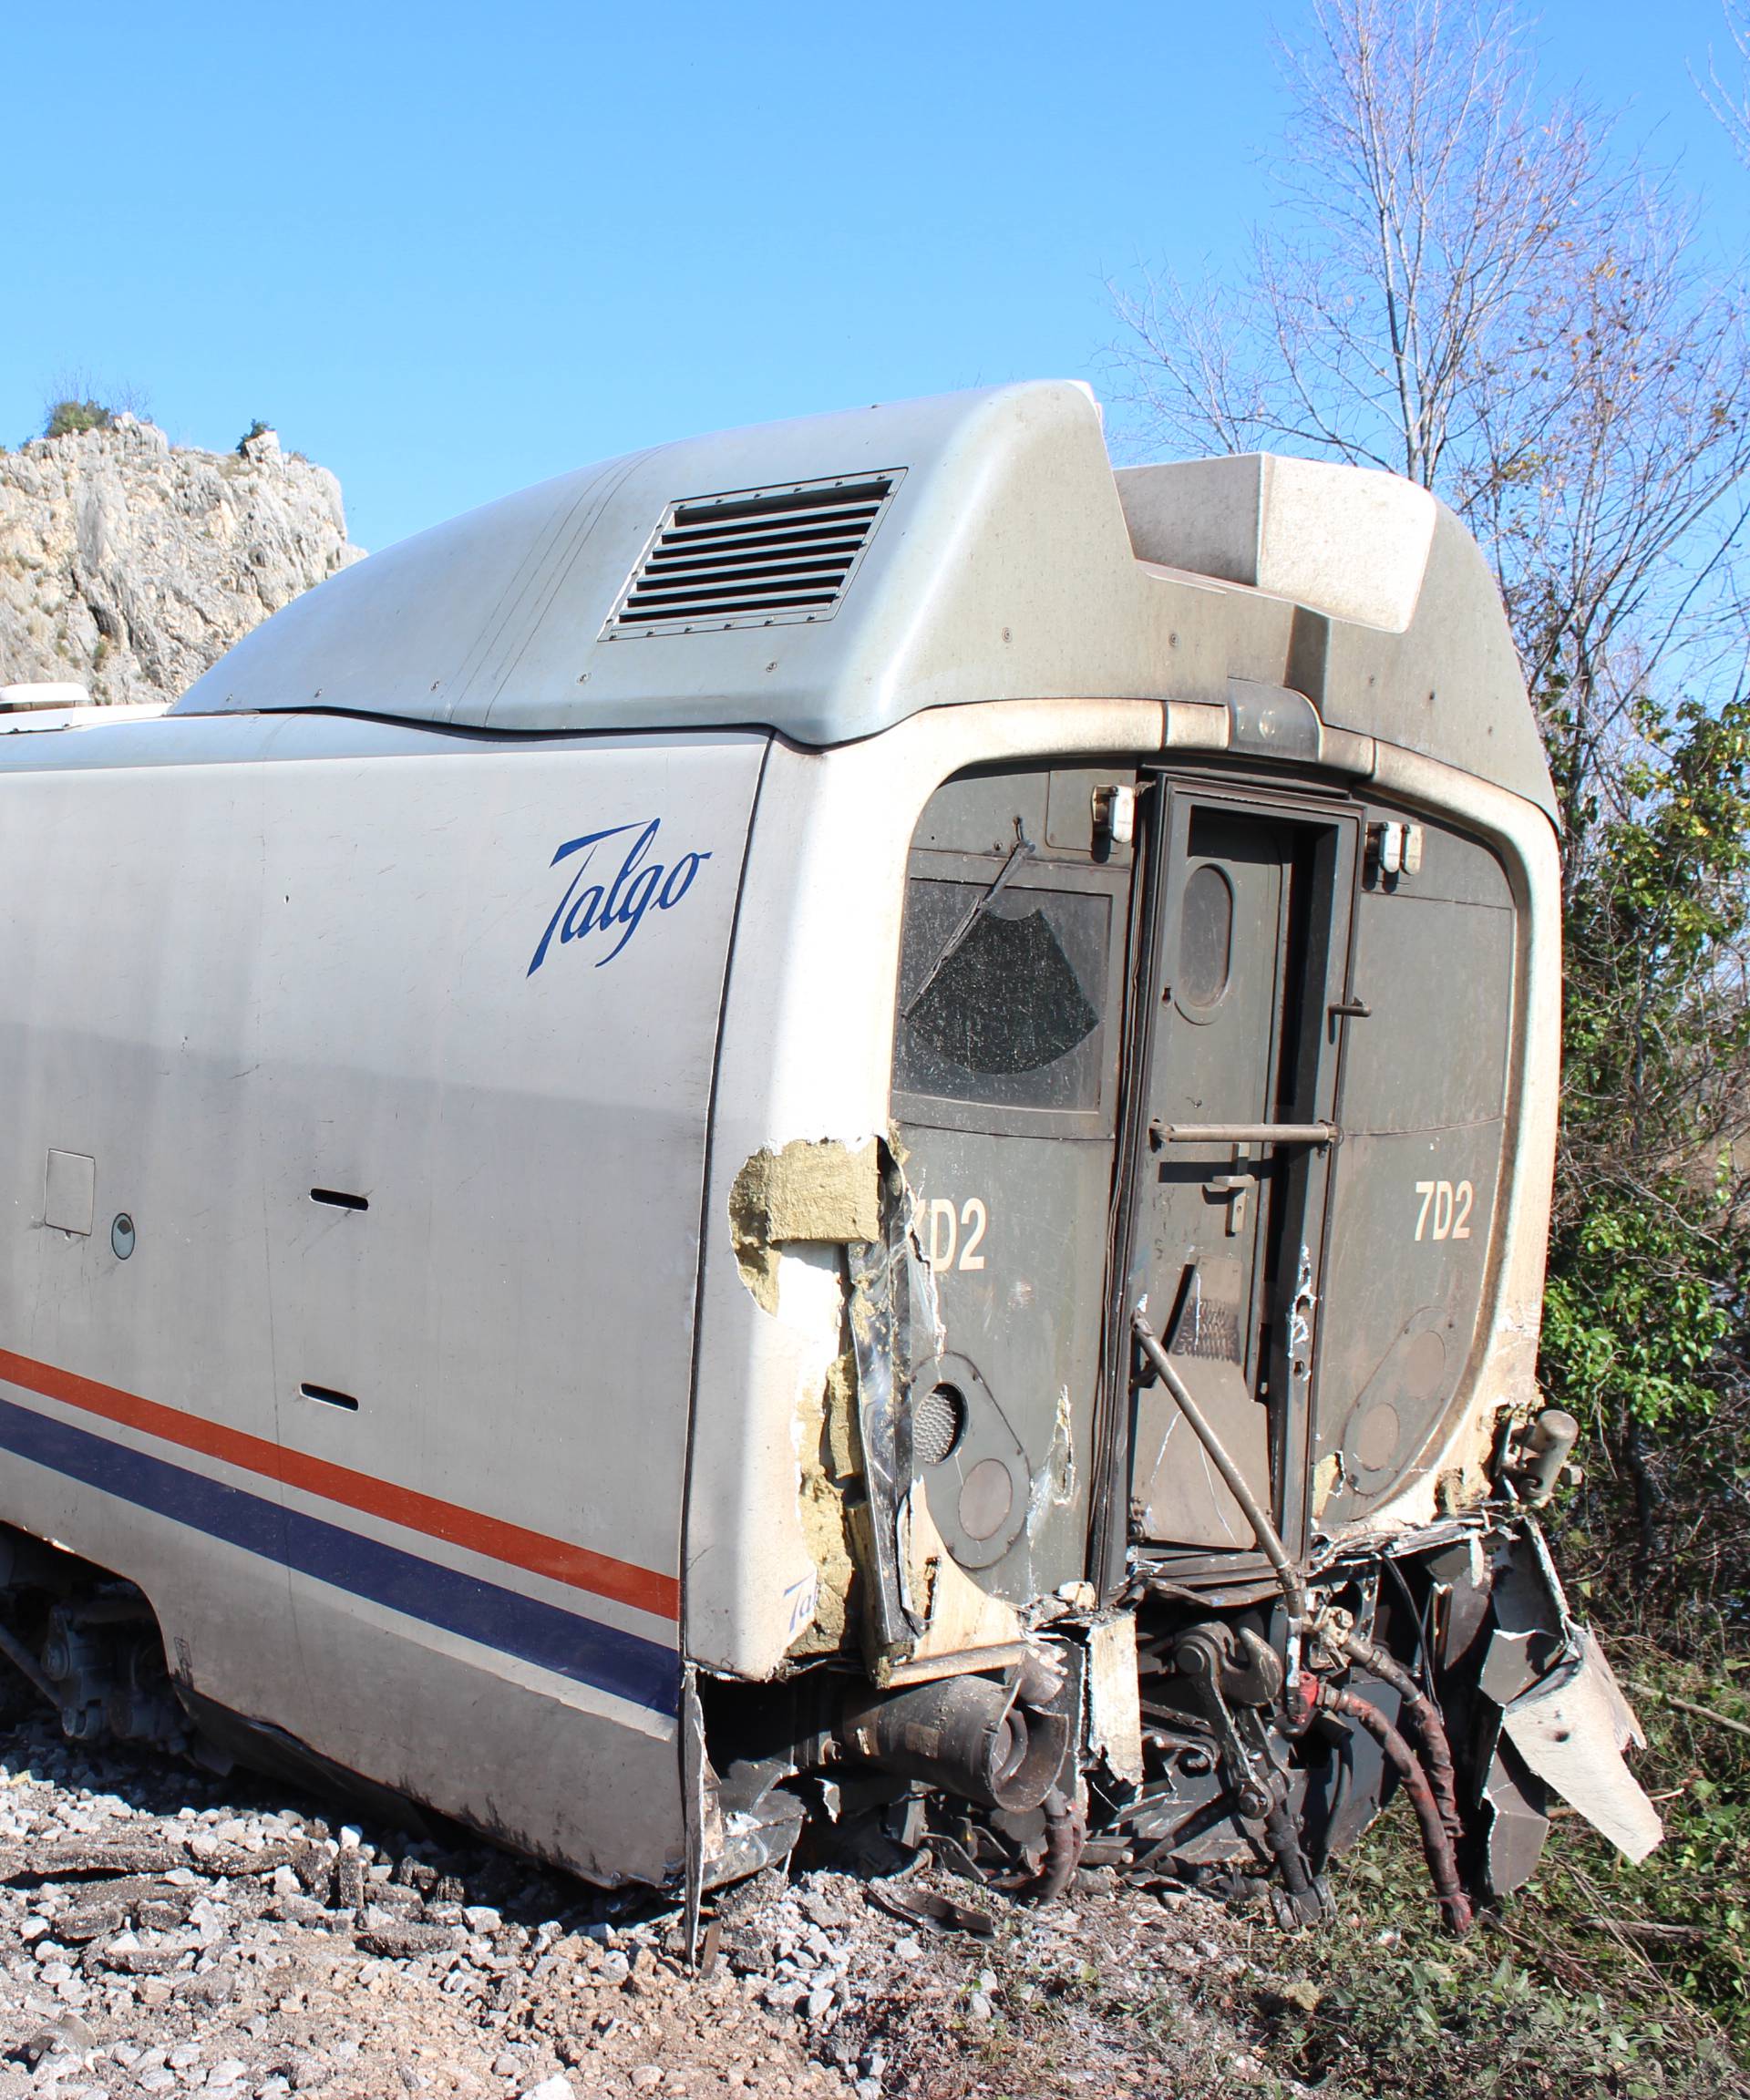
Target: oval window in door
1205 937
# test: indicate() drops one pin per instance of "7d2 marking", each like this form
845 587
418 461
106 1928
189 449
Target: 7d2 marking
1450 1204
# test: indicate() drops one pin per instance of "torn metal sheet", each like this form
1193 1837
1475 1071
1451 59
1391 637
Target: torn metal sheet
879 1328
1114 1709
927 1907
1571 1728
963 1627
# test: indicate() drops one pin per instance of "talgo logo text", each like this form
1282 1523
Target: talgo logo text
607 911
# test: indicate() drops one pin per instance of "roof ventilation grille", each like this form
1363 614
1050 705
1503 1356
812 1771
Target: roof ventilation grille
755 558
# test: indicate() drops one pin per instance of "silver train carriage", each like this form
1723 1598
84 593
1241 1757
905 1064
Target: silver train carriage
844 1124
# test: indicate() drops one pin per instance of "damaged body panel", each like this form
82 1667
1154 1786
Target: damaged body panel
851 1123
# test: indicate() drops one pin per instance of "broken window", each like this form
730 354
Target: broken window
1002 1005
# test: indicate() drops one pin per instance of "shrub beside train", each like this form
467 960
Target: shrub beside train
848 1121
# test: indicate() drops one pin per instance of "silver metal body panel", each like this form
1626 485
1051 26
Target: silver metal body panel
1010 564
1388 618
386 1405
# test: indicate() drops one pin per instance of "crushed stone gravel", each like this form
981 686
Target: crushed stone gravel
166 1931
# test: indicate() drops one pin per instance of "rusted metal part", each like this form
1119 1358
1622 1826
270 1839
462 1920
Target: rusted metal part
968 1734
1066 1840
1436 1845
928 1907
1302 1901
1424 1715
1199 1658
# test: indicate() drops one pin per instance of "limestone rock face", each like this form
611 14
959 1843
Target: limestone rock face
130 566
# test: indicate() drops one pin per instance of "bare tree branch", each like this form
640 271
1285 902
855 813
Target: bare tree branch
1471 284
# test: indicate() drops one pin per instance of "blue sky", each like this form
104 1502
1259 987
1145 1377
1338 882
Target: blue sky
448 250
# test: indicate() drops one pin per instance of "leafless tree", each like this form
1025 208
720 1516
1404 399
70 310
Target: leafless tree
1471 284
1416 193
1730 99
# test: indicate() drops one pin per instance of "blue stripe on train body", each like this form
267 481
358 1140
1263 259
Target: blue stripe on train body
606 1658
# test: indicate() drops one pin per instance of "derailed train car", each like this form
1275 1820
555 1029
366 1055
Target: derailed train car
853 1119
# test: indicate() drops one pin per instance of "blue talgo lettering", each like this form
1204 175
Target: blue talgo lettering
641 881
586 846
641 845
636 902
584 915
682 873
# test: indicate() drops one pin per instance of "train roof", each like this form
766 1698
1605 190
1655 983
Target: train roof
830 576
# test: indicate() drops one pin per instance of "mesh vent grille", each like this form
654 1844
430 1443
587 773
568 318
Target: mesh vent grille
752 558
938 1422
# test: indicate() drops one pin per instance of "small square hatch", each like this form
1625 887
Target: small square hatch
69 1191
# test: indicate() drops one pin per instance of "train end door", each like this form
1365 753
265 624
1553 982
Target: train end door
1240 1014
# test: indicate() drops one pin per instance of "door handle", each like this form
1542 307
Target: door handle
1232 1190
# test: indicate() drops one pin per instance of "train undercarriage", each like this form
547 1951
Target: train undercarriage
1176 1748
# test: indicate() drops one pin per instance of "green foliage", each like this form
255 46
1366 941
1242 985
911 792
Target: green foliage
68 417
257 428
1632 1321
1443 2024
1644 1303
1656 898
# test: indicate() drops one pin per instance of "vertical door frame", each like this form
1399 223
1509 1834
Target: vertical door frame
1315 807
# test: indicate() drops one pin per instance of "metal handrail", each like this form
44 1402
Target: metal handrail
1245 1133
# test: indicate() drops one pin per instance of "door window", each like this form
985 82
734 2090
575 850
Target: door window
1205 937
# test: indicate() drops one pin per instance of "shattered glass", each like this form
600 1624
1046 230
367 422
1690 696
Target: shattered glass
1011 1014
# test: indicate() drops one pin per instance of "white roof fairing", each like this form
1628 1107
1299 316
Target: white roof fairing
1003 567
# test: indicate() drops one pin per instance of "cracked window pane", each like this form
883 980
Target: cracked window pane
1012 1017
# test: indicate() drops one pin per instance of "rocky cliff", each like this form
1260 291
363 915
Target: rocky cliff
128 566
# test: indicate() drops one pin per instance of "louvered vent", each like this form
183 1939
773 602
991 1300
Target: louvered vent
755 558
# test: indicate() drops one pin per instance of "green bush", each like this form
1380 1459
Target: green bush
257 429
68 416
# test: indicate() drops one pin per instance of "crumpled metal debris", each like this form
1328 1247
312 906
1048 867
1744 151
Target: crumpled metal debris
926 1906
